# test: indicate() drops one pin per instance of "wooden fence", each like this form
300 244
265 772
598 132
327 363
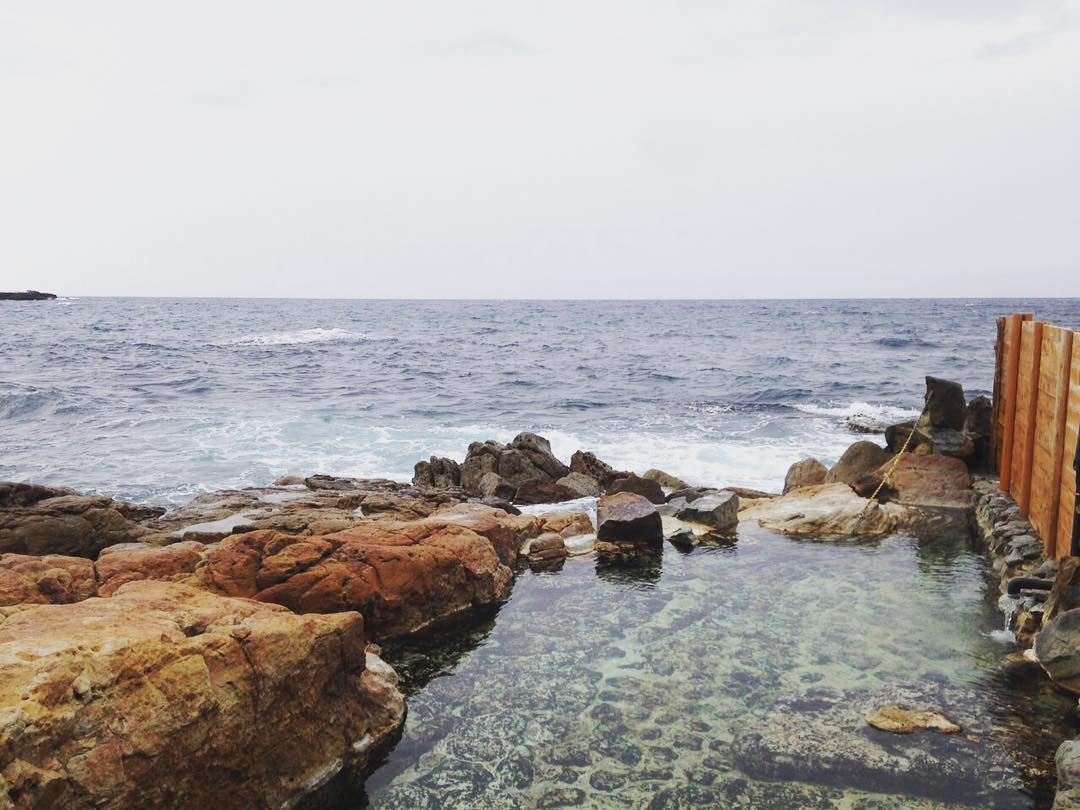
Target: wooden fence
1036 418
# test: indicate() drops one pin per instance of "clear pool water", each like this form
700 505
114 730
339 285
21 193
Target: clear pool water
648 687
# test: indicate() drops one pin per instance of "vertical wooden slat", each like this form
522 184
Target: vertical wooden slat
1012 365
997 414
1067 486
1048 435
1027 400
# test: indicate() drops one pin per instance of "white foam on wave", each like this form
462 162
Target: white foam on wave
313 335
859 410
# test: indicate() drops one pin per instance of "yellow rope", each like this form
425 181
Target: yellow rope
900 455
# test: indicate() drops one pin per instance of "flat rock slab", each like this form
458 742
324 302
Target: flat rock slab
823 737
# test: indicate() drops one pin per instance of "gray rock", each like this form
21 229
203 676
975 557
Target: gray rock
1058 648
493 485
1067 763
586 462
806 473
74 525
437 473
720 511
584 485
13 493
947 442
947 404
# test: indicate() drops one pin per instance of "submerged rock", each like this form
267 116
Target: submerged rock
900 720
165 694
824 738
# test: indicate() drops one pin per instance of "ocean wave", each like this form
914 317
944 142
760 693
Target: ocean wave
314 335
905 343
862 417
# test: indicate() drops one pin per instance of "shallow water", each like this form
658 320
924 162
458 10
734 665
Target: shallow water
606 687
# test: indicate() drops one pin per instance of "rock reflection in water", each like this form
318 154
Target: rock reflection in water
727 677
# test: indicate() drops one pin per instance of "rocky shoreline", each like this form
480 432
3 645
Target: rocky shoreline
229 648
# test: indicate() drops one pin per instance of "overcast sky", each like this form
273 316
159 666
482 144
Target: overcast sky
549 149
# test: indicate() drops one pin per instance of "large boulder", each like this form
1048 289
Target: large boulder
806 473
482 457
1058 648
15 493
537 450
587 463
628 518
1067 765
1065 593
401 576
165 695
859 459
929 481
947 406
131 562
645 487
72 525
50 580
826 511
493 485
437 473
719 512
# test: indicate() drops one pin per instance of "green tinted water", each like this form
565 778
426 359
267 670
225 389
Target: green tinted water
658 686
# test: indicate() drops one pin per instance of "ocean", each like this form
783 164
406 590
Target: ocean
158 400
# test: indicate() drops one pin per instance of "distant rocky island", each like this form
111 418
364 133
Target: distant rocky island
28 295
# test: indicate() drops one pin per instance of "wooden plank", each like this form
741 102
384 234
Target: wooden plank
1067 497
1049 433
1008 395
1027 398
997 414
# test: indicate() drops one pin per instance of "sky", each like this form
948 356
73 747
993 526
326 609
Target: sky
581 149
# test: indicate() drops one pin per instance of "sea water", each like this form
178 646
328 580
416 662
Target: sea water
158 400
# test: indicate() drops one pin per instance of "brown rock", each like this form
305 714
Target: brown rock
71 525
626 517
645 487
664 479
14 493
437 473
859 459
164 695
930 481
806 473
567 524
399 576
483 457
537 490
131 562
52 579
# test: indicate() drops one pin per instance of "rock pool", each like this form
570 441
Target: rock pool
734 676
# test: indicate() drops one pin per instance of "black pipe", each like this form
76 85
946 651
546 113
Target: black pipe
1017 584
